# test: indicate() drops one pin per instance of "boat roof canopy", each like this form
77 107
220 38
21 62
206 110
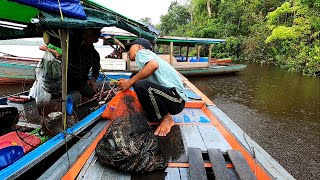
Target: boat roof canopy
188 41
97 16
126 38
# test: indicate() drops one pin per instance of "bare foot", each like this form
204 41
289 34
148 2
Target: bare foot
165 126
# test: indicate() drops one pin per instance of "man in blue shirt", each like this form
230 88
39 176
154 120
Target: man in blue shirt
158 86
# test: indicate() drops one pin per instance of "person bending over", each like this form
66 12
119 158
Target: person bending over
157 84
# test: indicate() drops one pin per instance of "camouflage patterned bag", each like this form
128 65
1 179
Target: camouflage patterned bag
129 144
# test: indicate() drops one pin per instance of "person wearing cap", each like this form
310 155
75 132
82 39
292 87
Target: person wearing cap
157 84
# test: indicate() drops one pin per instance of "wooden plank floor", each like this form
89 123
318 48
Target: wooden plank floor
195 149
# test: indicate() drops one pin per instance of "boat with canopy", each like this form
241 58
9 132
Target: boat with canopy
176 51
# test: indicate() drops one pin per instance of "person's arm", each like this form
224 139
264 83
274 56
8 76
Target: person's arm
95 69
55 48
146 71
50 49
95 65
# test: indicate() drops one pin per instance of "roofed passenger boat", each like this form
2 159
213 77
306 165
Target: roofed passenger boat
176 51
203 144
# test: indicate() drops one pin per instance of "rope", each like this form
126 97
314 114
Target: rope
60 10
252 152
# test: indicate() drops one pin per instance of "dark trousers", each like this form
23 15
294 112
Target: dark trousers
157 100
82 86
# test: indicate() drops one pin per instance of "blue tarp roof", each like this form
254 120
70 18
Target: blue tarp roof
96 16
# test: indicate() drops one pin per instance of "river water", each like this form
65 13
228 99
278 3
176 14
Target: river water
279 110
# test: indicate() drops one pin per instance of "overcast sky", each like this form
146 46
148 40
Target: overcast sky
137 9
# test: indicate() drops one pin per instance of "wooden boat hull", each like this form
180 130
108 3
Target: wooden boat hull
213 70
225 60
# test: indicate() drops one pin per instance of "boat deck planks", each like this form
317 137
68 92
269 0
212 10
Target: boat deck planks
96 170
219 168
196 170
184 173
199 142
172 173
241 166
114 175
194 115
199 139
213 139
192 137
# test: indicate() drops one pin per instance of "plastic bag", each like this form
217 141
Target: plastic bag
38 93
129 144
50 72
48 79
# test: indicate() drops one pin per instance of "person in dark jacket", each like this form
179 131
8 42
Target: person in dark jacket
83 57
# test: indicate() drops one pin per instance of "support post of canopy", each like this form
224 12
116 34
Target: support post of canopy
171 53
209 56
187 54
64 46
198 52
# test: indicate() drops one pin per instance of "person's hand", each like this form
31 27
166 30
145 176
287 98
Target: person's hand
124 84
57 54
92 82
43 47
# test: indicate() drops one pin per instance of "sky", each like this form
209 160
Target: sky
137 9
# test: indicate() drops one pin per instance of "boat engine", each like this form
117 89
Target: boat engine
8 116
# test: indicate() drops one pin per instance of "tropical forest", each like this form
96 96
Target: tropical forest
282 32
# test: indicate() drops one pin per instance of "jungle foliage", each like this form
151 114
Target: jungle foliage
284 32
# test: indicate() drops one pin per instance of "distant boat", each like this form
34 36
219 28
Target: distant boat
213 70
185 64
224 60
16 70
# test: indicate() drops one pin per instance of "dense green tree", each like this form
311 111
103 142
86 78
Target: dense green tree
295 35
177 16
284 32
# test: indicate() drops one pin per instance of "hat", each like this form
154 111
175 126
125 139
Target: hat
143 42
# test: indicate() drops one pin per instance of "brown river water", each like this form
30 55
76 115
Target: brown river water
280 110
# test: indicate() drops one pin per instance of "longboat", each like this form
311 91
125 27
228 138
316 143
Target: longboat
182 61
17 70
209 144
